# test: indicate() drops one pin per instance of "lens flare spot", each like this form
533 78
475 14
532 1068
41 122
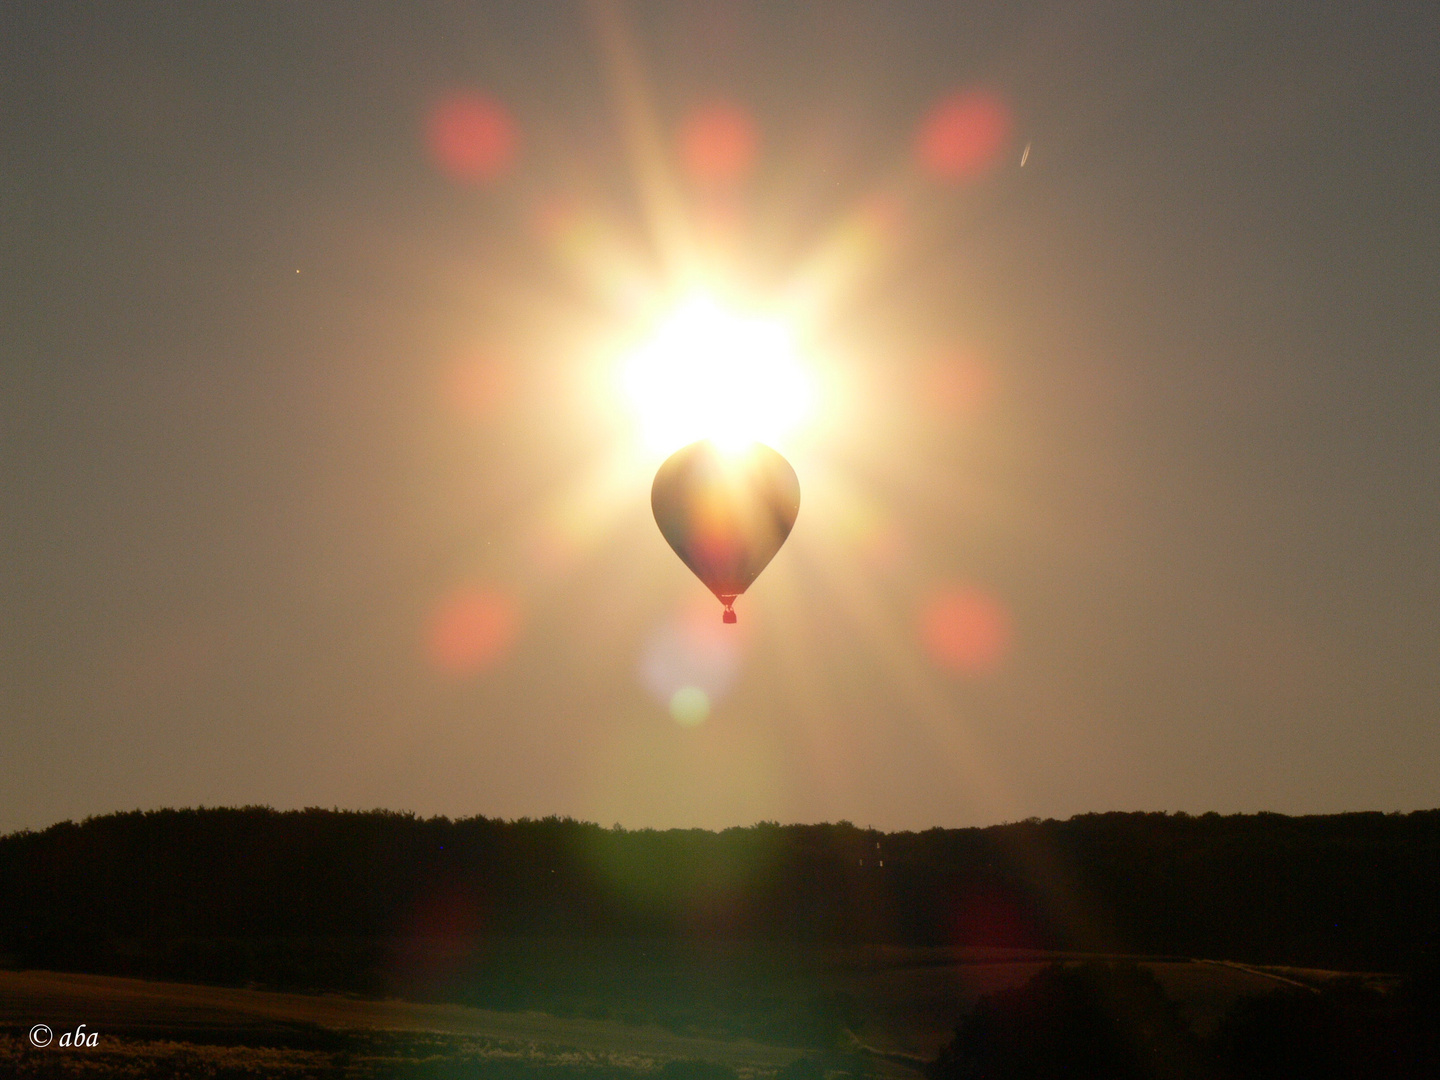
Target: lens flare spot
471 630
471 137
995 917
441 934
690 706
692 653
958 383
966 631
963 135
718 143
477 386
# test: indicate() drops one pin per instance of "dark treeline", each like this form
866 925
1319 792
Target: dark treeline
1351 891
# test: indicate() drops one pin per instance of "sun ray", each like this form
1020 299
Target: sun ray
649 162
683 350
574 521
810 701
886 637
593 249
857 247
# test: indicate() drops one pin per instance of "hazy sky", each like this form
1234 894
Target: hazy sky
1120 491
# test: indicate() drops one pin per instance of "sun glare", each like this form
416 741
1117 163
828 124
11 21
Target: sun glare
709 372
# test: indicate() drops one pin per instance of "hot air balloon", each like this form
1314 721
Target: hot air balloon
725 514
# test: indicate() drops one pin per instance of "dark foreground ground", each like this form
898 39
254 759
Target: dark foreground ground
903 1003
250 942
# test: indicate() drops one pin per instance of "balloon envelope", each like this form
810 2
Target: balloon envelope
725 514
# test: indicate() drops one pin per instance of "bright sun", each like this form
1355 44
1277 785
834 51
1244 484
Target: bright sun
709 372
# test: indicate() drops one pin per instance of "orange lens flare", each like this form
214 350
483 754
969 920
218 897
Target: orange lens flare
477 386
471 630
963 135
958 383
440 936
995 917
718 144
471 137
966 631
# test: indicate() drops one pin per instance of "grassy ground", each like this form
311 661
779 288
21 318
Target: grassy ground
648 1013
377 1056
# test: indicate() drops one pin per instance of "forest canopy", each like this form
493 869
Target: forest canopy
1356 891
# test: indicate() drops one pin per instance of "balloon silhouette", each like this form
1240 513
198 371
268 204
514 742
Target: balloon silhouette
725 515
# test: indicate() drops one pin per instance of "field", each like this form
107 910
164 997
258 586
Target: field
900 1006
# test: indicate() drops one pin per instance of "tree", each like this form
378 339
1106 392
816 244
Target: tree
1084 1022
